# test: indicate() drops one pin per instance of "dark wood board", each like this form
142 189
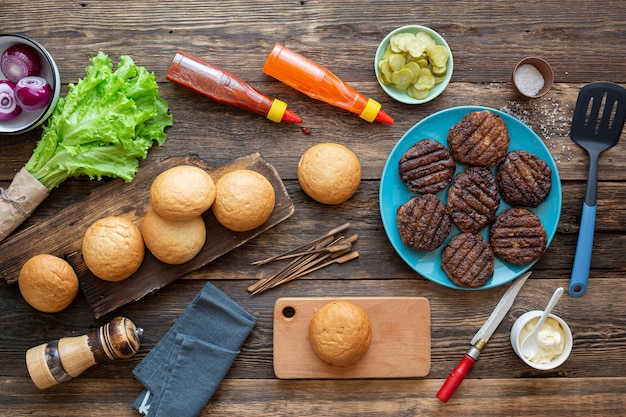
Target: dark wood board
400 345
62 234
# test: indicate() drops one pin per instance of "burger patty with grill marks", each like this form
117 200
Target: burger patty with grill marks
473 199
525 180
427 167
423 222
518 236
480 139
468 260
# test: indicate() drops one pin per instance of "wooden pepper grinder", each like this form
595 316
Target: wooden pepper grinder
61 360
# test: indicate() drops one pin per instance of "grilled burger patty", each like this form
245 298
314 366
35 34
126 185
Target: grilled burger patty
468 260
518 236
479 139
427 167
473 199
423 222
524 179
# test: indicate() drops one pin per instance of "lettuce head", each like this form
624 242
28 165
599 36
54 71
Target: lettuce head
105 123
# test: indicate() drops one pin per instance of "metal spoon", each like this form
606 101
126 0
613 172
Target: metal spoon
530 345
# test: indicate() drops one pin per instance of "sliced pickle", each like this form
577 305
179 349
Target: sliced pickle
425 80
396 61
417 94
386 54
439 79
421 61
438 55
413 67
415 48
399 42
385 73
425 38
402 78
439 71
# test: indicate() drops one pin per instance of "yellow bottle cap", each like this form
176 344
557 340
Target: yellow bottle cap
370 111
277 110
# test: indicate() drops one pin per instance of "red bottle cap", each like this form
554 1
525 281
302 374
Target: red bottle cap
384 117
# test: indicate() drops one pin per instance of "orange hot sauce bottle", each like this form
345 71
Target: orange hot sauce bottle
319 83
225 87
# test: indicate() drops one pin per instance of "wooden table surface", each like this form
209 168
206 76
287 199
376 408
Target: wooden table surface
583 40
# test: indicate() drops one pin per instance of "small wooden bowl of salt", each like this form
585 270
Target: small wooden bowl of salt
532 77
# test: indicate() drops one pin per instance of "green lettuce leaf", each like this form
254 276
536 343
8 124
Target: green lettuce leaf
104 124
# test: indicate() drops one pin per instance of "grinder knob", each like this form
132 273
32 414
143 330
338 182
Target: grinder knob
61 360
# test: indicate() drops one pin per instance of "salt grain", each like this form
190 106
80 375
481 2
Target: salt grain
549 119
528 80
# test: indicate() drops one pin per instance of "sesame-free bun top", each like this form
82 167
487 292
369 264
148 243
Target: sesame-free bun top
340 333
244 200
173 241
113 248
329 173
48 283
182 192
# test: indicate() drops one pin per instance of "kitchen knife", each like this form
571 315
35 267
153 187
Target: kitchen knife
480 339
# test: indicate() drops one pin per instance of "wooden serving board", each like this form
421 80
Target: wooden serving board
399 348
62 234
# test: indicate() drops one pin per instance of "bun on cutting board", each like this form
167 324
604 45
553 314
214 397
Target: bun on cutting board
113 248
182 192
244 200
329 173
340 333
48 283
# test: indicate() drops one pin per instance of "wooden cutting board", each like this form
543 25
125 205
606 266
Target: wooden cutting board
399 348
61 234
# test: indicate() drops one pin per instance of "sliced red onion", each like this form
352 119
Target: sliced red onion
9 109
33 93
19 61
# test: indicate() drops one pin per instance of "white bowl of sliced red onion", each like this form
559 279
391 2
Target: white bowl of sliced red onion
30 84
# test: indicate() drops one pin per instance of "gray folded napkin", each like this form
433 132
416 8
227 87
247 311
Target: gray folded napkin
183 371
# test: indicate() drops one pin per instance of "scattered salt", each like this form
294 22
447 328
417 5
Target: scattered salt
549 119
528 79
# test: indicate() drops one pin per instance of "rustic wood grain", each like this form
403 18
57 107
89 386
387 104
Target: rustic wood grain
582 40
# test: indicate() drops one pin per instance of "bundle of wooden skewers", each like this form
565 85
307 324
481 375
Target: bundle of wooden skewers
330 248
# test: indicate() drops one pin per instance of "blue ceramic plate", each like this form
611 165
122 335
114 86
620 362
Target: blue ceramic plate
393 193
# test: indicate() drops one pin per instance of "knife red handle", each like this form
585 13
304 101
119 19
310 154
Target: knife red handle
455 378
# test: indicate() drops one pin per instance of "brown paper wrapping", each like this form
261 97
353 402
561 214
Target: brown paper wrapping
19 200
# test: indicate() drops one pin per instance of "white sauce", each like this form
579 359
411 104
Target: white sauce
550 340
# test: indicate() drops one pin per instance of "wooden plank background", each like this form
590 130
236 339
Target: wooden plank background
583 40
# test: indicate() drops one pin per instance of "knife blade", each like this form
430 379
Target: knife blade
480 339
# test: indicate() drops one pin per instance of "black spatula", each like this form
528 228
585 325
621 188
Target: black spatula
596 126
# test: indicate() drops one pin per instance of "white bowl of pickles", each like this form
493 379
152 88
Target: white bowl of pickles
413 64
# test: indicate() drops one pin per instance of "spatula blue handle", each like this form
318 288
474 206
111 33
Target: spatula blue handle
582 259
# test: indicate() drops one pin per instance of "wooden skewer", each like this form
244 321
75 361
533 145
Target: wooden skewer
332 232
309 261
352 239
287 269
340 260
332 248
307 265
294 268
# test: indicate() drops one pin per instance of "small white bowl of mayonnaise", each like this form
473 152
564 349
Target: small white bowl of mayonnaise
554 339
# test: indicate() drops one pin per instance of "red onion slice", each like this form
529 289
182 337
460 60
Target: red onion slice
33 93
9 109
19 61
